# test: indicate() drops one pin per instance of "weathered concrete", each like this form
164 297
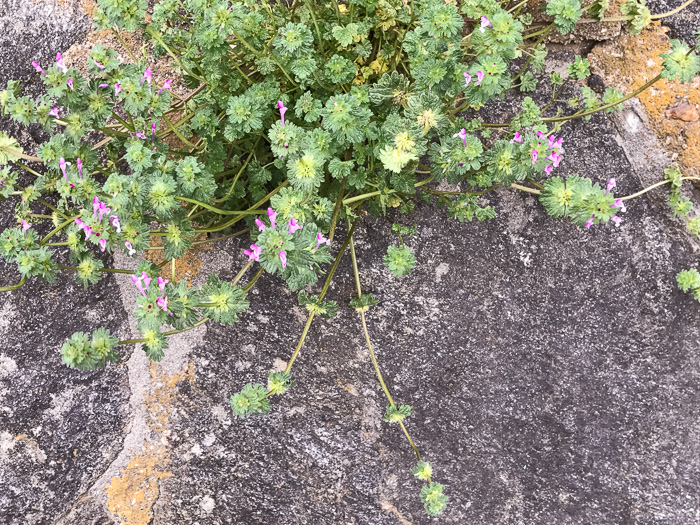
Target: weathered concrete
553 373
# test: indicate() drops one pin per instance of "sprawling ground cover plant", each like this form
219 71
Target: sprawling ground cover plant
296 118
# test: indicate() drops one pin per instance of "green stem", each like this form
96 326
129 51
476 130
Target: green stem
103 270
242 272
252 281
642 192
14 286
171 332
320 298
525 188
121 40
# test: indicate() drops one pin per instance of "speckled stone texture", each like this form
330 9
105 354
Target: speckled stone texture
553 372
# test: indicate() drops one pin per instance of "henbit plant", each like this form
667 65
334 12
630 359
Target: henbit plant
296 118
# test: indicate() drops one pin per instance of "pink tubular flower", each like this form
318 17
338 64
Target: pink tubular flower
154 127
293 226
60 66
479 77
484 24
161 284
117 89
260 224
98 64
101 86
166 85
533 154
62 164
619 203
95 206
617 220
53 112
128 247
548 170
272 215
320 239
25 227
611 185
555 158
283 110
103 244
163 303
140 135
39 68
557 143
283 258
79 164
115 223
462 135
517 138
467 79
138 282
102 210
551 141
147 76
254 252
590 222
69 83
540 134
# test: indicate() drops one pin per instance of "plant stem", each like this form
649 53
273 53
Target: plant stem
241 273
121 40
103 270
14 286
320 298
525 188
171 332
642 192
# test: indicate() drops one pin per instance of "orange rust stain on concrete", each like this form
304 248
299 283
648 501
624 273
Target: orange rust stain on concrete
630 62
132 495
186 267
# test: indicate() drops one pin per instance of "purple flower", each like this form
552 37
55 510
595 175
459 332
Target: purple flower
147 76
540 134
551 141
102 210
619 203
479 77
484 24
103 244
59 63
462 135
161 284
163 303
117 89
115 223
254 252
79 164
101 86
611 185
140 135
467 79
293 226
154 127
128 247
166 85
517 138
95 206
260 224
617 220
271 213
139 284
283 258
53 112
25 227
557 143
533 154
62 164
69 82
39 68
283 110
146 279
590 222
320 239
98 64
548 170
555 158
